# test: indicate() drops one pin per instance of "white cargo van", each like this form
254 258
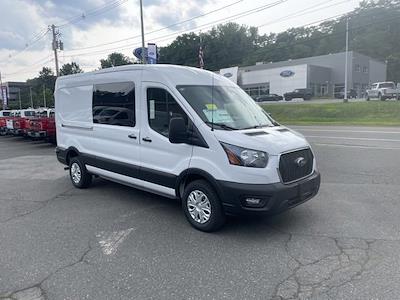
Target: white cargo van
182 133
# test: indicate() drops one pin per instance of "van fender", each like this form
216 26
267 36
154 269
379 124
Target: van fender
194 172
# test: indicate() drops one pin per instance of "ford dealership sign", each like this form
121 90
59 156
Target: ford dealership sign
287 73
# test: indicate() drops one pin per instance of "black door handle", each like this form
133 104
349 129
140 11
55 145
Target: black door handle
132 136
146 139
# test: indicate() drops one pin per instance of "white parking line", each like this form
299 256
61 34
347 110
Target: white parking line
350 138
109 241
356 146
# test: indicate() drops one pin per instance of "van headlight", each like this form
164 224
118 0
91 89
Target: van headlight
239 156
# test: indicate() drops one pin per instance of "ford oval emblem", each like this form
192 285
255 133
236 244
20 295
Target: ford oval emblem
287 73
228 75
300 162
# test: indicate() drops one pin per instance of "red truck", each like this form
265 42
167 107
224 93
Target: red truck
43 126
21 120
4 114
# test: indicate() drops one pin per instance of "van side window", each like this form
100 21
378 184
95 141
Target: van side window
161 108
114 104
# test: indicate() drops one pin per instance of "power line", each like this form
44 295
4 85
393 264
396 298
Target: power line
38 62
37 37
304 12
306 40
93 12
160 29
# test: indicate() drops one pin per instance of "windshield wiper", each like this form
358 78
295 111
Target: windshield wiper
257 126
221 125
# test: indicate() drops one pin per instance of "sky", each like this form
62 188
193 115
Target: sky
92 29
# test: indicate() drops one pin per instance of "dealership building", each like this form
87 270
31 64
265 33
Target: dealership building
324 75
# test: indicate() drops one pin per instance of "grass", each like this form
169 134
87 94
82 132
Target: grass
371 113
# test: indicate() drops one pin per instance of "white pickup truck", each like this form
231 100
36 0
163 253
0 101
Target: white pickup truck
383 91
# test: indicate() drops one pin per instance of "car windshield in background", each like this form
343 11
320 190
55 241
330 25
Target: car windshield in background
30 113
227 107
389 85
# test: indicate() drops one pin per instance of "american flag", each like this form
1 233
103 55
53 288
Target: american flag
201 58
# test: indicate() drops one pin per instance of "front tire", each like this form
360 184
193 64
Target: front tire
381 98
202 206
80 177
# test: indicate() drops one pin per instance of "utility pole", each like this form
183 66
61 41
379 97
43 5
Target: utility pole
56 44
30 91
142 26
1 91
19 97
346 75
44 95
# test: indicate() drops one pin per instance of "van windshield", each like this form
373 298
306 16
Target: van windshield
226 107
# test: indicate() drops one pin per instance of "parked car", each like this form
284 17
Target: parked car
269 97
351 94
114 116
4 114
43 126
383 91
208 145
305 94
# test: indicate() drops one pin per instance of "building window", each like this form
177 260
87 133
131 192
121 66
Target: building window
161 108
255 92
114 104
365 70
358 68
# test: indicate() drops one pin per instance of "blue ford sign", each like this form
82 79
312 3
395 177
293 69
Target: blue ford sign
287 73
228 75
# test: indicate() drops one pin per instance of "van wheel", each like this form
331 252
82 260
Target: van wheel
79 175
380 97
202 206
368 98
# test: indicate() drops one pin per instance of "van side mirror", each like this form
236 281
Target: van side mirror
178 133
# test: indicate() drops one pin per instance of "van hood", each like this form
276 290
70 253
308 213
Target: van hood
273 140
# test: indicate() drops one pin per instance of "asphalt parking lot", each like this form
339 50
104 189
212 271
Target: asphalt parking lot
114 242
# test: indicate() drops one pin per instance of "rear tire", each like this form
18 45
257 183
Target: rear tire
202 206
80 177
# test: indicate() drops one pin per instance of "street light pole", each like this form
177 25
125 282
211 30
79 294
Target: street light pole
19 97
44 95
30 91
142 26
345 99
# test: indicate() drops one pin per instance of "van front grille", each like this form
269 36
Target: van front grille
296 165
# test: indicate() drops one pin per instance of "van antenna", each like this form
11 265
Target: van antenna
212 103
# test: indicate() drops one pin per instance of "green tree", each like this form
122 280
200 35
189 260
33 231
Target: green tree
374 31
115 59
70 68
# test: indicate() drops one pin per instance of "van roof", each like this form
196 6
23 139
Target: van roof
174 74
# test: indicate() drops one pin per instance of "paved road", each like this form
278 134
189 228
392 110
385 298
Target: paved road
114 242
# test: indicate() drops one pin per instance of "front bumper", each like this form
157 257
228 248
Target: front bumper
37 134
390 95
276 197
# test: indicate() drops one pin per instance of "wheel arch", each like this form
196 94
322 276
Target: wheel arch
191 175
70 153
